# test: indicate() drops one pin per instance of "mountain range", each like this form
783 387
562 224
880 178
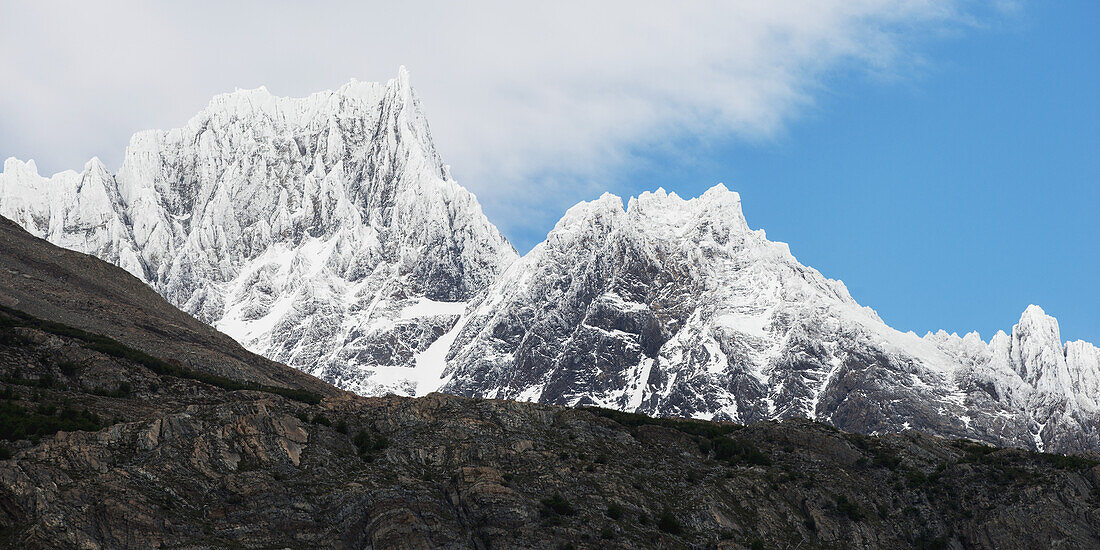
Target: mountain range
327 234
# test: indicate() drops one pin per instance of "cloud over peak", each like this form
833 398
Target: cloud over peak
532 104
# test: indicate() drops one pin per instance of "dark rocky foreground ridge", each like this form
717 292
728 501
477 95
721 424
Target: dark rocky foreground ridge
127 424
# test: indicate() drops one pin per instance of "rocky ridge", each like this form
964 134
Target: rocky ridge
104 445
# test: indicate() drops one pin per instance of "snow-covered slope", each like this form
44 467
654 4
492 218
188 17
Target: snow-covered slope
324 232
80 211
675 307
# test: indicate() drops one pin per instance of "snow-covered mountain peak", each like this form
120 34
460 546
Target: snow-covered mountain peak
1083 363
95 165
1036 350
589 215
674 306
717 202
14 167
1034 315
306 228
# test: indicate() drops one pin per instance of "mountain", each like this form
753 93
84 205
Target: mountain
322 232
125 423
89 295
674 307
326 233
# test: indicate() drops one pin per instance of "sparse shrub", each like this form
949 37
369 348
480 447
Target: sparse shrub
975 452
362 441
321 420
885 458
10 337
342 426
705 445
726 448
557 505
756 544
5 453
607 533
691 427
122 390
668 523
848 508
248 464
927 542
1009 474
381 442
916 478
1068 462
18 423
68 367
614 511
303 417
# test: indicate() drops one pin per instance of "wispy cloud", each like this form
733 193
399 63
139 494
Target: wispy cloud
533 104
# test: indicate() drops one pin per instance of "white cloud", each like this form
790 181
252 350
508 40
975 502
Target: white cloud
530 102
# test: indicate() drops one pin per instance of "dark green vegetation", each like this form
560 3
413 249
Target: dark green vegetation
556 505
18 423
713 437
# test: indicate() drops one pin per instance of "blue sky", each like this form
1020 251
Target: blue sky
938 156
950 199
